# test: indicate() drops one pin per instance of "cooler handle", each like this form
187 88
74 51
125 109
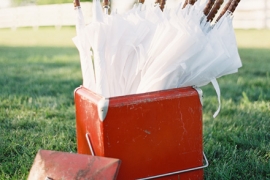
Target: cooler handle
157 176
181 171
89 144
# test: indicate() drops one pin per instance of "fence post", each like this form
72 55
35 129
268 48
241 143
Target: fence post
265 14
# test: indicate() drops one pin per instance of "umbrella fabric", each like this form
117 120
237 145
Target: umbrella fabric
98 41
84 50
225 28
146 49
176 43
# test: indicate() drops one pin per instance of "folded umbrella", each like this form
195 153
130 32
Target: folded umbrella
84 49
184 41
147 49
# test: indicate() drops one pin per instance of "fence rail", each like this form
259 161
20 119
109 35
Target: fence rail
46 15
248 15
252 14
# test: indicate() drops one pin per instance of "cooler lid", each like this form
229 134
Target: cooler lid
54 165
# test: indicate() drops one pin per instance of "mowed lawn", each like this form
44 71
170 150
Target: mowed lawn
39 71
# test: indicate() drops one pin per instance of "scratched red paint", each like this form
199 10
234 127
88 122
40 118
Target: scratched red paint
55 165
151 133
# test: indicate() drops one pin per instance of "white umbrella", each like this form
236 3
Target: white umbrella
94 34
98 41
139 26
206 65
84 49
146 49
129 53
178 40
225 58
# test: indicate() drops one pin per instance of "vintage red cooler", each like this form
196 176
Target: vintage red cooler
156 135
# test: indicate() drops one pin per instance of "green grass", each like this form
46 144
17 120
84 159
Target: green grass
45 36
36 107
237 142
39 73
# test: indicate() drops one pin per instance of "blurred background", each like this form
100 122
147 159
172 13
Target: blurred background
250 14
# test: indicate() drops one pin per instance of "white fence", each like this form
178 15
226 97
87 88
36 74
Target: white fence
252 14
46 15
249 14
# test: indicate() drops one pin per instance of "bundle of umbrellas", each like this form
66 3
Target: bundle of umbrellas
151 47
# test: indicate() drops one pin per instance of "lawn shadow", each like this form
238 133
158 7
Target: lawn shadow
39 71
37 104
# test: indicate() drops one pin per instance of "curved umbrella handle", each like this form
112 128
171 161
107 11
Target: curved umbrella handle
185 4
214 10
106 4
188 2
226 7
162 4
208 7
76 3
233 5
157 2
192 2
141 1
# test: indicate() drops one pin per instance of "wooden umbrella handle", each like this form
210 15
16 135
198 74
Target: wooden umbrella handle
226 7
141 1
214 10
162 4
76 3
106 3
208 7
185 4
191 2
188 2
233 5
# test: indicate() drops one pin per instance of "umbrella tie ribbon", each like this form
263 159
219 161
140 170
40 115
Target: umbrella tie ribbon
217 89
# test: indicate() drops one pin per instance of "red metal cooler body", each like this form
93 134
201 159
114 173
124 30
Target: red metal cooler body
153 134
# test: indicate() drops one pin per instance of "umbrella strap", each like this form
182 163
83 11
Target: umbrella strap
216 86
